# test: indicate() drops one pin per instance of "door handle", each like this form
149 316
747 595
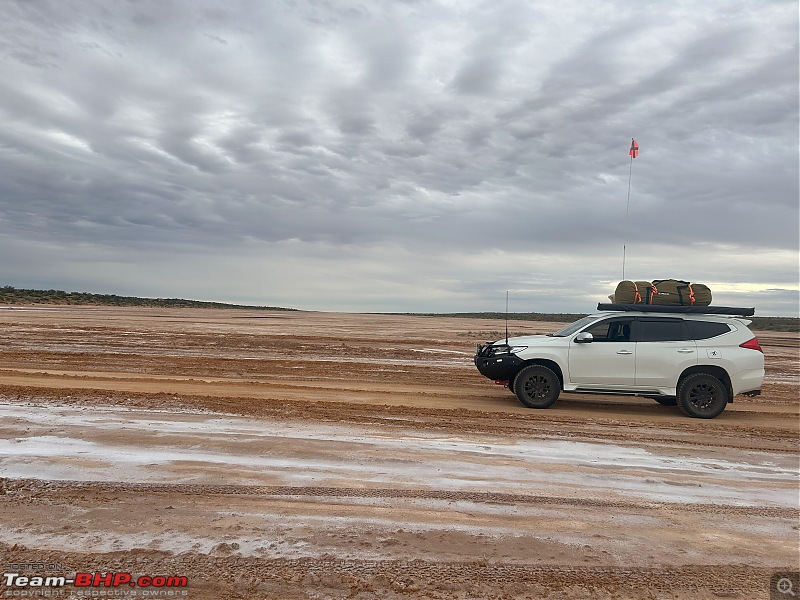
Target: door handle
624 352
685 350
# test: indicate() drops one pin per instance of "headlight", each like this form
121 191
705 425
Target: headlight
500 350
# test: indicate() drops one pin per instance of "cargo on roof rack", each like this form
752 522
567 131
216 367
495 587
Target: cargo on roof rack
697 310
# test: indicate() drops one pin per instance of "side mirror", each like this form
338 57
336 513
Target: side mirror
584 338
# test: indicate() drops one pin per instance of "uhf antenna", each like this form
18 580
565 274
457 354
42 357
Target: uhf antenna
506 317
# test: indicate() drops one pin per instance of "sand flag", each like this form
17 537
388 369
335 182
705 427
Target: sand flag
634 151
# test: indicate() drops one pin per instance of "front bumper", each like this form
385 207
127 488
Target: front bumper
496 362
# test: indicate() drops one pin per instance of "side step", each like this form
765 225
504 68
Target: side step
613 392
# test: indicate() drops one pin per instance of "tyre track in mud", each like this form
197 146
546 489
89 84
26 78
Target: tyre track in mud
19 489
235 577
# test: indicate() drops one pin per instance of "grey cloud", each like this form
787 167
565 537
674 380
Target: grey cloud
296 139
478 76
325 133
424 126
357 124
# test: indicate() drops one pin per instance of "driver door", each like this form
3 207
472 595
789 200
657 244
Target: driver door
609 360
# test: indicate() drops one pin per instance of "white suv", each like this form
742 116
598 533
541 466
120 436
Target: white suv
676 355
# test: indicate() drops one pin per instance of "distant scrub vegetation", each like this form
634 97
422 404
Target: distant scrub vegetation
12 295
791 324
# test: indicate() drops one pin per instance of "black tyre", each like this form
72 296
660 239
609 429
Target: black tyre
702 396
537 386
511 384
666 400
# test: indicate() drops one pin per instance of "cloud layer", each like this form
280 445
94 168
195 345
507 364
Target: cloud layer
407 156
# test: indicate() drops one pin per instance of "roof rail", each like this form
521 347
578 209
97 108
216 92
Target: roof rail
697 310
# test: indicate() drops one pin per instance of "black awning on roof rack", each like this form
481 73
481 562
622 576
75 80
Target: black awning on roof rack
701 310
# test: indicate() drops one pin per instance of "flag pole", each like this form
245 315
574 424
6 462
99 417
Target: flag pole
633 152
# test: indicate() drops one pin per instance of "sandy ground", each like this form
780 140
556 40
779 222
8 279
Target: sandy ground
308 455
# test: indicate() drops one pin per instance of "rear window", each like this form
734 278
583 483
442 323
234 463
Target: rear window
660 330
703 330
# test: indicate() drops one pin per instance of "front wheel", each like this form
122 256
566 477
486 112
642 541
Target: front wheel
537 386
702 396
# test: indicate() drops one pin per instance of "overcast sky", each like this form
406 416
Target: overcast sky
400 155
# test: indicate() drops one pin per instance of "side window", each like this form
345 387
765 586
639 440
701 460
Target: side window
611 330
599 331
661 330
703 330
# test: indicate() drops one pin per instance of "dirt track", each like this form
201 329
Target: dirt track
307 455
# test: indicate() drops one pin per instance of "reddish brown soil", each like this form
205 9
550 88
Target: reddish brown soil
311 455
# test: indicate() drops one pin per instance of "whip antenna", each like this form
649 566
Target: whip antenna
506 317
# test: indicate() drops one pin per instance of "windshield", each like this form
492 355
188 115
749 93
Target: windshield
576 326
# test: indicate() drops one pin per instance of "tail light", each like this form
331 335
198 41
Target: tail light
752 345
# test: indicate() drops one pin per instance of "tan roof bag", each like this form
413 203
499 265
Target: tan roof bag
675 292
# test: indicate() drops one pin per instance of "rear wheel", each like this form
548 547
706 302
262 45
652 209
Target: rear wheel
702 396
537 386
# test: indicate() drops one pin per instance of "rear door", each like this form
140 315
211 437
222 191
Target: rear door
663 351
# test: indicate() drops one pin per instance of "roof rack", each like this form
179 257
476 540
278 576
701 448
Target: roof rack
701 310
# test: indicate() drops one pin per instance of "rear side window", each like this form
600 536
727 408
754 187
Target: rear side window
660 330
703 330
